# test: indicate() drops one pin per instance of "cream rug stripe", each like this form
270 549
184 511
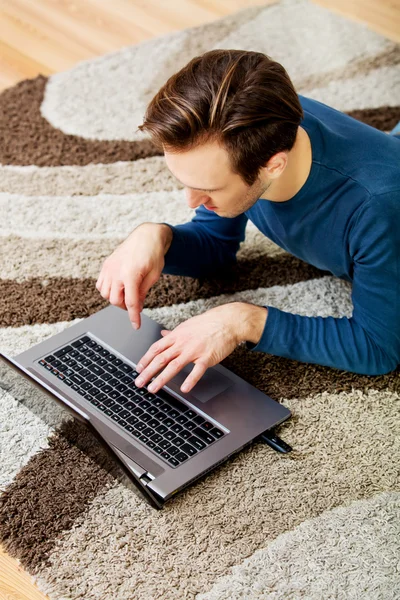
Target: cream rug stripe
87 111
22 258
18 445
143 175
359 540
371 90
345 452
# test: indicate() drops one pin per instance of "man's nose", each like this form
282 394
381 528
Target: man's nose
195 199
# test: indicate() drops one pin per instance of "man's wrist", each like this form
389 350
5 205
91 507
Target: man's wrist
251 322
167 236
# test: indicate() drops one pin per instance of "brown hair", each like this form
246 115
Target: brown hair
242 99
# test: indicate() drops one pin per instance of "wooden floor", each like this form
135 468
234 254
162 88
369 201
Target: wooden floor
46 36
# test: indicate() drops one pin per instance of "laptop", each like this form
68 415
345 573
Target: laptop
163 442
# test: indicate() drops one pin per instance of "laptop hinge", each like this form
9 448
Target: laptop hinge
147 477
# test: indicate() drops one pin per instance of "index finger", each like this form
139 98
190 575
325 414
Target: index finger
132 301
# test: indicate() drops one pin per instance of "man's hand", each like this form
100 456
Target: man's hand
204 340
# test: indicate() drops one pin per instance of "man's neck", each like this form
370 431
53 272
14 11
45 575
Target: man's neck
296 172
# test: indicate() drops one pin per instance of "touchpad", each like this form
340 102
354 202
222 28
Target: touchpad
211 384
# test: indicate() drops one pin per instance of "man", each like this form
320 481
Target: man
323 186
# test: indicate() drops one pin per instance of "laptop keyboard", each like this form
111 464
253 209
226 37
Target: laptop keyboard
160 421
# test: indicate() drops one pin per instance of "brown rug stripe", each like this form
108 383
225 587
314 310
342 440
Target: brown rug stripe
26 138
34 508
283 378
64 299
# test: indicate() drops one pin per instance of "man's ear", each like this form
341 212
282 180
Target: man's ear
277 164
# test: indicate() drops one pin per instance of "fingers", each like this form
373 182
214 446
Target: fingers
133 301
173 367
194 376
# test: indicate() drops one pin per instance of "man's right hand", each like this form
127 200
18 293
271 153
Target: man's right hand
135 265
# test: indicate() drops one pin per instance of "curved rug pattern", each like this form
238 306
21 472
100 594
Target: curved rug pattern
75 179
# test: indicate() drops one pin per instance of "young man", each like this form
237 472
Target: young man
322 185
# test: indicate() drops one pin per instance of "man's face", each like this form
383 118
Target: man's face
206 174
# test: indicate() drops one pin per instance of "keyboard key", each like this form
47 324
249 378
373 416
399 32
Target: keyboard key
77 343
165 408
140 426
154 423
179 442
151 444
118 362
125 414
111 357
190 425
82 392
177 428
165 455
185 434
161 416
133 420
117 408
153 411
204 435
91 343
174 413
170 436
50 358
109 402
138 411
98 348
109 412
181 457
197 443
121 387
148 431
182 420
173 450
206 425
156 438
190 414
145 405
126 379
161 429
110 368
106 376
217 433
158 450
77 379
144 438
68 382
173 461
126 368
190 450
169 422
96 369
165 444
63 351
146 418
174 402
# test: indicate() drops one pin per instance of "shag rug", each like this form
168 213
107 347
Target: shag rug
76 178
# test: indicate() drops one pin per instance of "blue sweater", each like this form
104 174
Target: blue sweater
346 220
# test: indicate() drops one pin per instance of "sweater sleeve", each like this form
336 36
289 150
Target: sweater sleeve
368 342
204 245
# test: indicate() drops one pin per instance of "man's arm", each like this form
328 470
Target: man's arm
369 342
205 245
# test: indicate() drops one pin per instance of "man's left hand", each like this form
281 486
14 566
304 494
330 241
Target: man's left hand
204 340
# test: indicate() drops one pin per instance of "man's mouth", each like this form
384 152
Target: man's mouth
210 207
